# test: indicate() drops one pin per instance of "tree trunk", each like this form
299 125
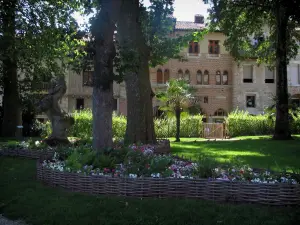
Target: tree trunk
103 31
282 129
12 116
135 55
177 114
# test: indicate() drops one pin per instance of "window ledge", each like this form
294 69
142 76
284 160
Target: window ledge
213 56
193 55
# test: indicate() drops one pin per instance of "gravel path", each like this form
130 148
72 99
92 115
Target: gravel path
4 221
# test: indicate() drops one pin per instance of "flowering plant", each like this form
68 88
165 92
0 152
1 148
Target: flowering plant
140 161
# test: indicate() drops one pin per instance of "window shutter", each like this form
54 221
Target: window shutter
269 74
159 77
247 72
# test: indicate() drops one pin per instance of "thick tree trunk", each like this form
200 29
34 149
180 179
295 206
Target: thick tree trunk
282 129
103 31
140 126
135 53
11 102
177 114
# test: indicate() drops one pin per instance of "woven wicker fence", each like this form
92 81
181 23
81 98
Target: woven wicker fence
27 153
269 194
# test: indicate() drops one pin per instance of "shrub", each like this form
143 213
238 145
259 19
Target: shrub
191 126
241 123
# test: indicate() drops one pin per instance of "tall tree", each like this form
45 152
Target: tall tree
242 19
177 96
145 39
35 39
103 28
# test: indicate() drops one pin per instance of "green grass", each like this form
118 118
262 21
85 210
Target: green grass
22 197
258 151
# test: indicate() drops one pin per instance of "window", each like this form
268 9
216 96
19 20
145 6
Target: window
206 78
269 75
218 78
87 78
115 104
79 103
199 77
180 74
248 74
250 101
159 76
193 47
166 75
220 112
187 75
205 99
225 78
213 47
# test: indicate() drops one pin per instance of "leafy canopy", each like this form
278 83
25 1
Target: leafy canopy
44 37
250 27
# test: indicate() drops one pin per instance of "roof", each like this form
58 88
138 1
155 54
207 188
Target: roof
188 25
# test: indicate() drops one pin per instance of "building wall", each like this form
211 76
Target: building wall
219 96
262 91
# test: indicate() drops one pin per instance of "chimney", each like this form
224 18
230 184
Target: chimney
199 19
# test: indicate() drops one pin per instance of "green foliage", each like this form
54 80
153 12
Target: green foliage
245 28
102 161
241 123
205 167
191 126
178 94
44 39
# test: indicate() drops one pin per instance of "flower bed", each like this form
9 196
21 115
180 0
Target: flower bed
31 150
141 173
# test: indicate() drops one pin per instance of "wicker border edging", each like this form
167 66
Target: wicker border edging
27 153
267 194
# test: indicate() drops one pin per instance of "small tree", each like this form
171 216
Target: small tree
175 98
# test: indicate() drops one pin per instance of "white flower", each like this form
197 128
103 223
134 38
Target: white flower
131 175
37 143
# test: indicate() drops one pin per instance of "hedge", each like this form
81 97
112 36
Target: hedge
191 126
239 123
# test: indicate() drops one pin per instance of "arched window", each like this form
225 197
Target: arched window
220 112
225 78
206 77
180 73
199 77
187 75
166 75
159 76
218 78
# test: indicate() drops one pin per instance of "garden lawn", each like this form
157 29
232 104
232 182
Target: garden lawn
22 197
257 151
